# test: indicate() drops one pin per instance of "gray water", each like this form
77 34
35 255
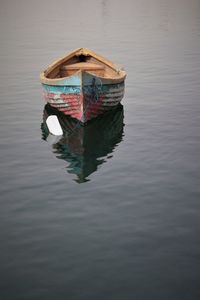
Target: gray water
129 227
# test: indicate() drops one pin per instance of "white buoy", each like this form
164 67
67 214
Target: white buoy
54 125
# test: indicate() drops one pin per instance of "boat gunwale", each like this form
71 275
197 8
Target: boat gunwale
81 51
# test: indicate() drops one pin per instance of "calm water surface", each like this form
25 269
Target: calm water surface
111 212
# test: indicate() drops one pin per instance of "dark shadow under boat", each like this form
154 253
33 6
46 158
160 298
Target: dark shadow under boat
85 148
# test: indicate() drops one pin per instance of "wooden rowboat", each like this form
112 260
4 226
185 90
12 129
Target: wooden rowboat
83 84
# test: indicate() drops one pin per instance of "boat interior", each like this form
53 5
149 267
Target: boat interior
88 63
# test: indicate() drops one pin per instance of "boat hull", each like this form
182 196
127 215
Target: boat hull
84 96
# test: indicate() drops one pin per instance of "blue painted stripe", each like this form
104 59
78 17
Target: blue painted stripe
107 87
87 89
97 89
62 89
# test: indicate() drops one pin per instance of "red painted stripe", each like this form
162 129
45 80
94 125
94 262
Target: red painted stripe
67 98
91 107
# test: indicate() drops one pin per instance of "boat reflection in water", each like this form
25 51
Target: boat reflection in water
85 148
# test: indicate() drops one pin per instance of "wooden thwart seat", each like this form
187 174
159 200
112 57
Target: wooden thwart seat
67 70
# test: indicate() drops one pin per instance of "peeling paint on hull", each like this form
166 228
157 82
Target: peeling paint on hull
84 101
